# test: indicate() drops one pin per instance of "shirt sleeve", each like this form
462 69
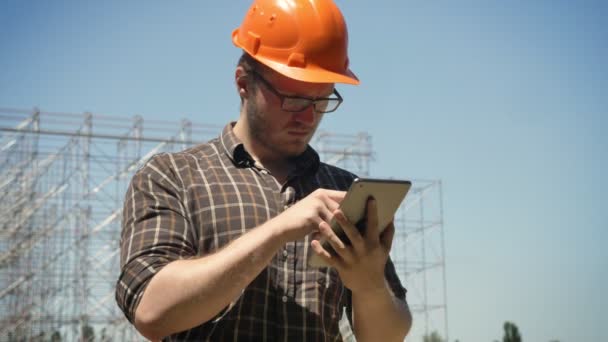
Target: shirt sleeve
155 230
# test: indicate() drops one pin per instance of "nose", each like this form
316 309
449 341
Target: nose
307 116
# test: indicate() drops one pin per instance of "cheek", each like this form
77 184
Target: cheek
270 108
319 117
267 101
273 120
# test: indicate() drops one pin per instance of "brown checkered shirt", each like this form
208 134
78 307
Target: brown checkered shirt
192 203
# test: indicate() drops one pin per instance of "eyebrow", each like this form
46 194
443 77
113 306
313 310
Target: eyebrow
290 94
312 98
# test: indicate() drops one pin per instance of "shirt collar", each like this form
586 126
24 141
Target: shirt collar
235 150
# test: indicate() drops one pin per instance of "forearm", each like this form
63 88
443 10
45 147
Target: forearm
186 293
379 316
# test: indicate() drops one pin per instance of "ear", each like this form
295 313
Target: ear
241 82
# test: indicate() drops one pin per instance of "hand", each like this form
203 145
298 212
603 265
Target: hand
305 216
360 265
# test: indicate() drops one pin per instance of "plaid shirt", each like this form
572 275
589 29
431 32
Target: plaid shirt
192 203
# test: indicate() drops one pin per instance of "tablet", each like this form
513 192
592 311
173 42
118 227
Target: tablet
389 194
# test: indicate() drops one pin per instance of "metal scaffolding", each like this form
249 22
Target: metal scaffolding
62 181
419 255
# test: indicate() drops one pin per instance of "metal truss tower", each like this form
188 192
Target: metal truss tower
62 182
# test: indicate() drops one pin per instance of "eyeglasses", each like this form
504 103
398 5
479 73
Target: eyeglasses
298 103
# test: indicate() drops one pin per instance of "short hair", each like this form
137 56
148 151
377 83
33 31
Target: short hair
248 62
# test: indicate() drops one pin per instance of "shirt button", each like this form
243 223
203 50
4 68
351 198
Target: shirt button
284 299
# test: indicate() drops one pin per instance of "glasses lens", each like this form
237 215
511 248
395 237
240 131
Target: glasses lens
327 105
295 104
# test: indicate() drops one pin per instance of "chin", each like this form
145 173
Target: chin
293 150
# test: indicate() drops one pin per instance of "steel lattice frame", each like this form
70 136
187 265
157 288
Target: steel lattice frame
62 182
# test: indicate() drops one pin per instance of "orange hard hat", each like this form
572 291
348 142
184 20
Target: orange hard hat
306 40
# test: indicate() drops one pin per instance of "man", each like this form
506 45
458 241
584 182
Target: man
216 238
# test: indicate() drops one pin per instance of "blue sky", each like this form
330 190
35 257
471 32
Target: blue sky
505 102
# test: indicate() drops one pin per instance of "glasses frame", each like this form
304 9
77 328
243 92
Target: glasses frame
312 101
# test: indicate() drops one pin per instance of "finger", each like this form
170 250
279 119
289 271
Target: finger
350 230
323 254
372 231
332 205
316 235
326 214
343 251
386 238
331 237
332 201
335 195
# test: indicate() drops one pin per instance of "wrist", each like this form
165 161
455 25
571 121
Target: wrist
276 231
372 293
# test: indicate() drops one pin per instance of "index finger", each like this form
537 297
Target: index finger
335 195
333 199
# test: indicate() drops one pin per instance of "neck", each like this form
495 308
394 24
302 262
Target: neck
278 165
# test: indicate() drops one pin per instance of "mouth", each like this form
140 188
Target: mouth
299 133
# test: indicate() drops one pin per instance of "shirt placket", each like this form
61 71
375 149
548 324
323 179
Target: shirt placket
284 197
288 198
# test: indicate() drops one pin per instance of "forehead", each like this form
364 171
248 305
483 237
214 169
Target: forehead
290 86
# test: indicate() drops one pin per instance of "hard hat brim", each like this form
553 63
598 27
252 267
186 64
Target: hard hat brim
312 75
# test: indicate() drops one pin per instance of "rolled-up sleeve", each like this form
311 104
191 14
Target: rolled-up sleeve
155 230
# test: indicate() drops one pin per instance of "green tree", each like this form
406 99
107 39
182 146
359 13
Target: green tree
88 334
55 336
433 337
104 336
511 333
